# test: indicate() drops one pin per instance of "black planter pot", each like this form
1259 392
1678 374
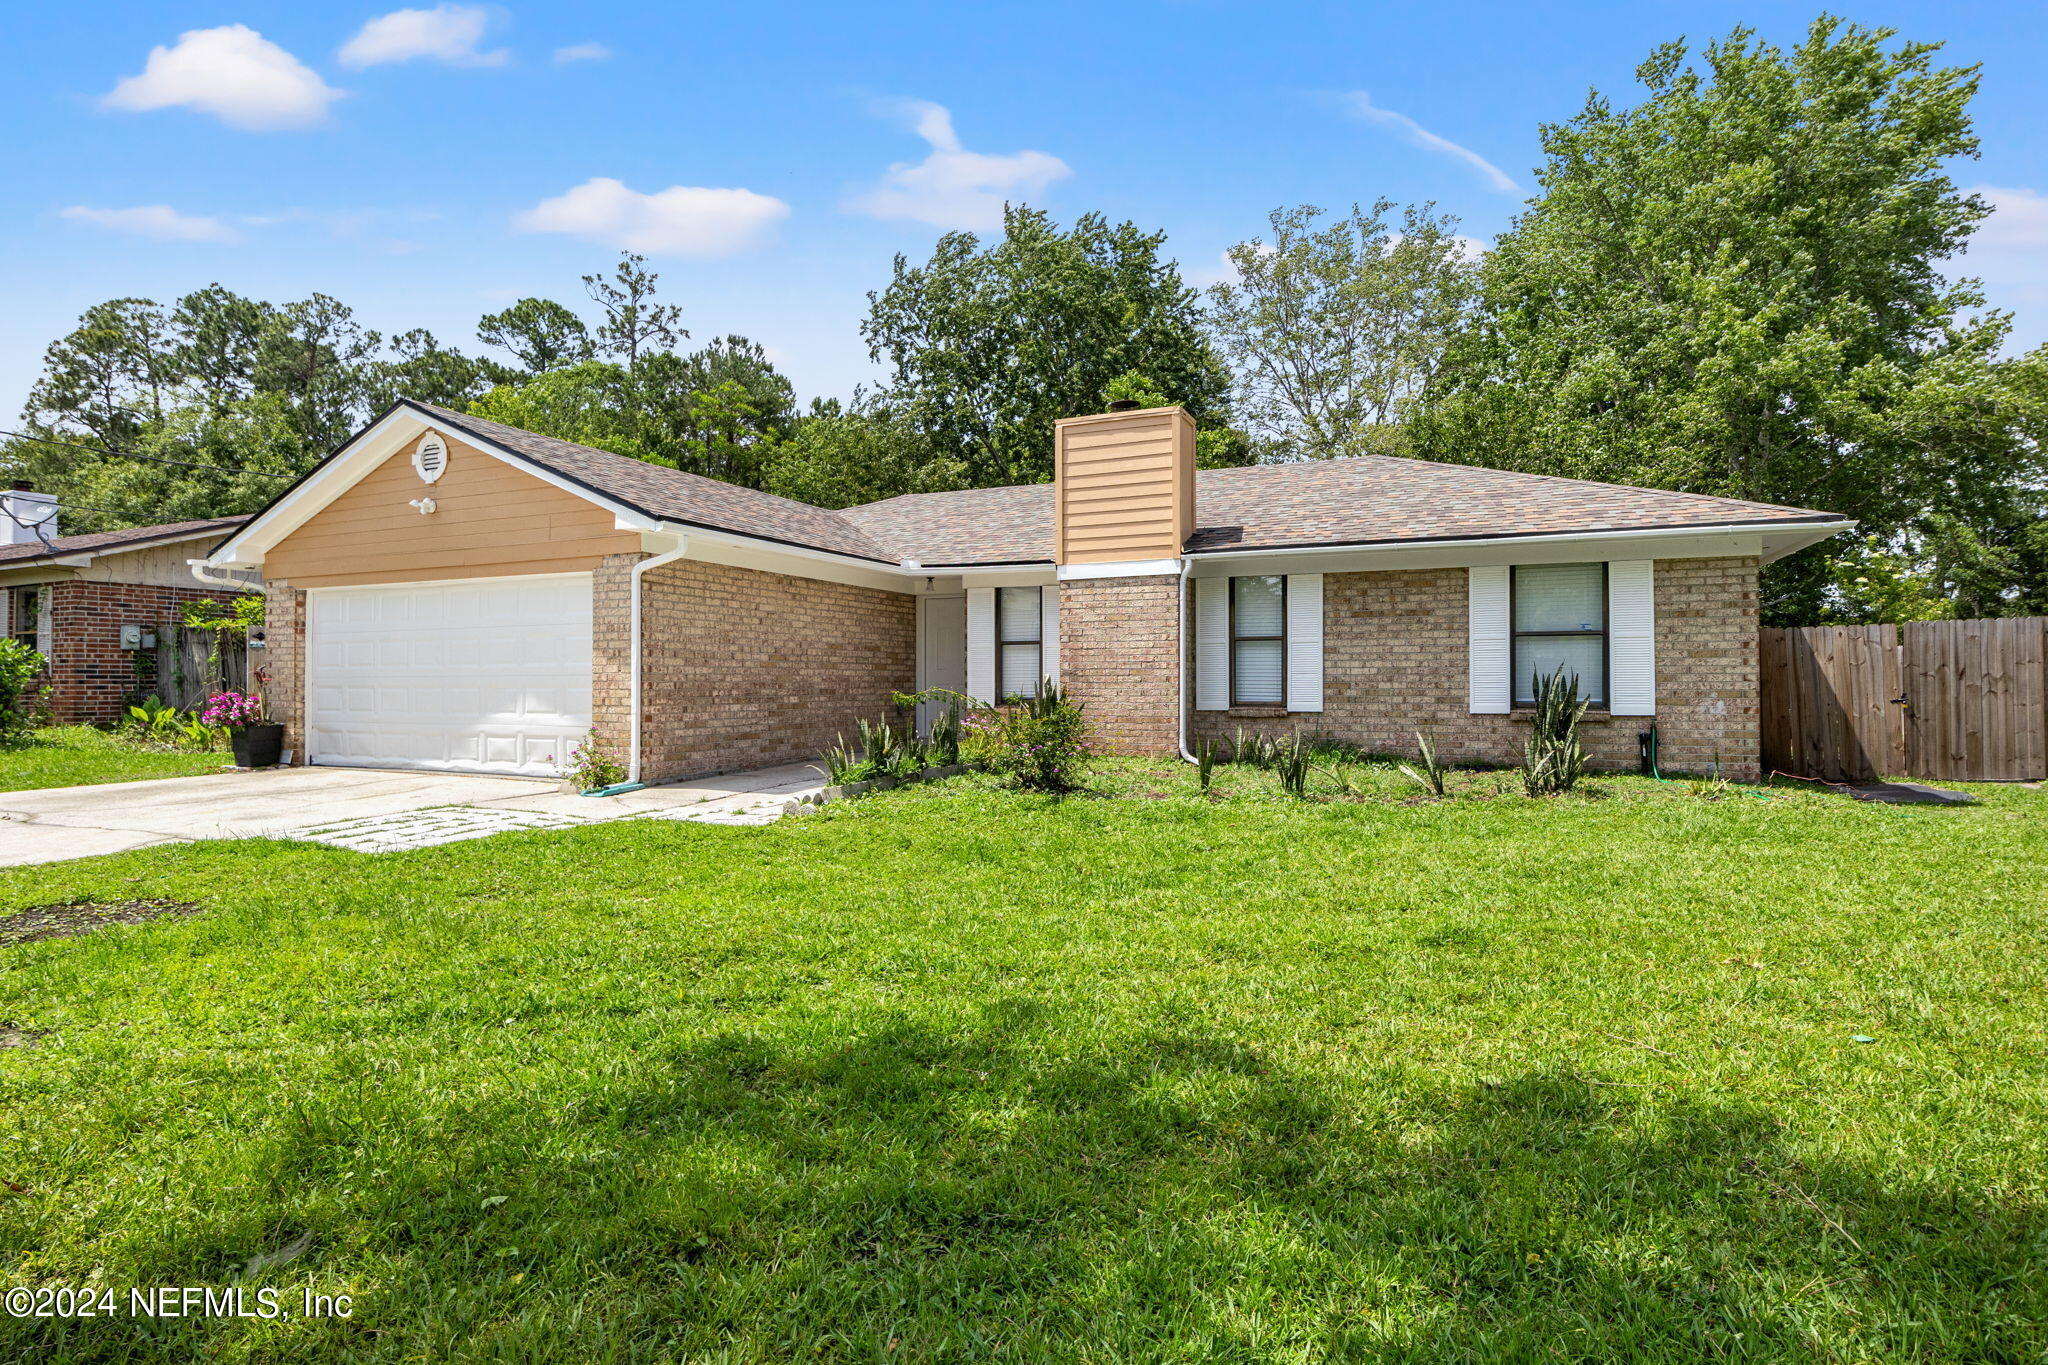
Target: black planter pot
258 746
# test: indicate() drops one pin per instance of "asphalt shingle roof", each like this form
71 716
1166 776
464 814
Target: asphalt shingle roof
1372 500
102 542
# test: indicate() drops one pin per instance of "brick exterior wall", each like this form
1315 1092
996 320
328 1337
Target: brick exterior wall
279 668
1119 640
1394 662
611 652
92 678
744 669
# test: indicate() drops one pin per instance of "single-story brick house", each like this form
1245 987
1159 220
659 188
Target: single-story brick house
85 602
449 592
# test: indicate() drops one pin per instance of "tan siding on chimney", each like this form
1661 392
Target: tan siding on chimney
1123 486
491 520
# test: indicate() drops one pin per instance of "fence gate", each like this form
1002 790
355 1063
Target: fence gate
193 664
1977 699
1830 706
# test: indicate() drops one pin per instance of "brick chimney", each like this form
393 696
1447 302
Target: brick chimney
1123 486
1123 506
30 516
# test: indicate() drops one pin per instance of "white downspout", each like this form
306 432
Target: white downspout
1185 565
667 557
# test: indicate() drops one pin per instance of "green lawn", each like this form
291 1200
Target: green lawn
75 755
957 1074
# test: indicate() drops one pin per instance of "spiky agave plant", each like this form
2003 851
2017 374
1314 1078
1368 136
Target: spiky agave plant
1431 774
1553 761
1205 762
1292 761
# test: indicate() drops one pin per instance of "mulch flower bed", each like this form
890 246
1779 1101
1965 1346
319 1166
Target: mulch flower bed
69 921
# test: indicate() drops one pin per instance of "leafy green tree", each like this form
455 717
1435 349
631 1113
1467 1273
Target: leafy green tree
634 325
541 334
217 333
845 455
1333 331
107 377
989 345
1735 287
588 403
420 368
315 356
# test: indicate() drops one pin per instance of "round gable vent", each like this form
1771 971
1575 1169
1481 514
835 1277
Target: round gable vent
430 458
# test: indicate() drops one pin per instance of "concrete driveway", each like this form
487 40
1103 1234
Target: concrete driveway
78 822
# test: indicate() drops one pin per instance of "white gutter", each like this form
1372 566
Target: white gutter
204 571
1825 528
1182 672
668 557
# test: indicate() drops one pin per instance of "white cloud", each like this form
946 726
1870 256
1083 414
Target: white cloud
160 221
234 73
1360 104
681 220
953 187
2017 227
445 33
582 52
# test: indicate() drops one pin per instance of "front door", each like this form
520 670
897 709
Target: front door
941 651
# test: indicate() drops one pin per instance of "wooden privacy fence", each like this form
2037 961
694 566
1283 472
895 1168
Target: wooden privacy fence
1961 700
188 669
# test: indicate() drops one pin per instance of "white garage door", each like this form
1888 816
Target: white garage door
487 676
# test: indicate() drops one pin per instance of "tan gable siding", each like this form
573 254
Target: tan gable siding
490 520
1123 486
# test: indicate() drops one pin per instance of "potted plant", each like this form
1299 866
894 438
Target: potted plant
257 742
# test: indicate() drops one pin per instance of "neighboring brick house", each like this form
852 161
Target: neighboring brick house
448 592
71 597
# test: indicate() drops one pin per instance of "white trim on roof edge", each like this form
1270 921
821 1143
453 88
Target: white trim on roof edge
1768 541
1121 568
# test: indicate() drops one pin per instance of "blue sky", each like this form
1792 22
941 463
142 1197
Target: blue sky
426 166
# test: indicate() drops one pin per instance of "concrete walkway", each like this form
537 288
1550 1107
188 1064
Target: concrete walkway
371 809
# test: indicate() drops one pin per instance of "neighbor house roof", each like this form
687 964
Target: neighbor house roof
109 542
1368 501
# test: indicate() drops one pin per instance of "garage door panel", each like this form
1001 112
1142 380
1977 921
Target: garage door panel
475 677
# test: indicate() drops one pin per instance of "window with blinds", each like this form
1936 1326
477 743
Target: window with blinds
1258 641
1020 641
1560 621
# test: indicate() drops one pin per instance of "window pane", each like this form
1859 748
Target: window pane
1560 597
1020 669
1258 605
1017 615
1539 656
1259 668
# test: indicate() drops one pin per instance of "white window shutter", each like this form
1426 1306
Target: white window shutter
981 644
1212 644
1632 637
1304 642
1049 631
1490 647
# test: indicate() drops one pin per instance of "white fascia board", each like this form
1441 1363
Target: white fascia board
1122 568
792 561
348 466
1005 576
1669 543
1786 541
